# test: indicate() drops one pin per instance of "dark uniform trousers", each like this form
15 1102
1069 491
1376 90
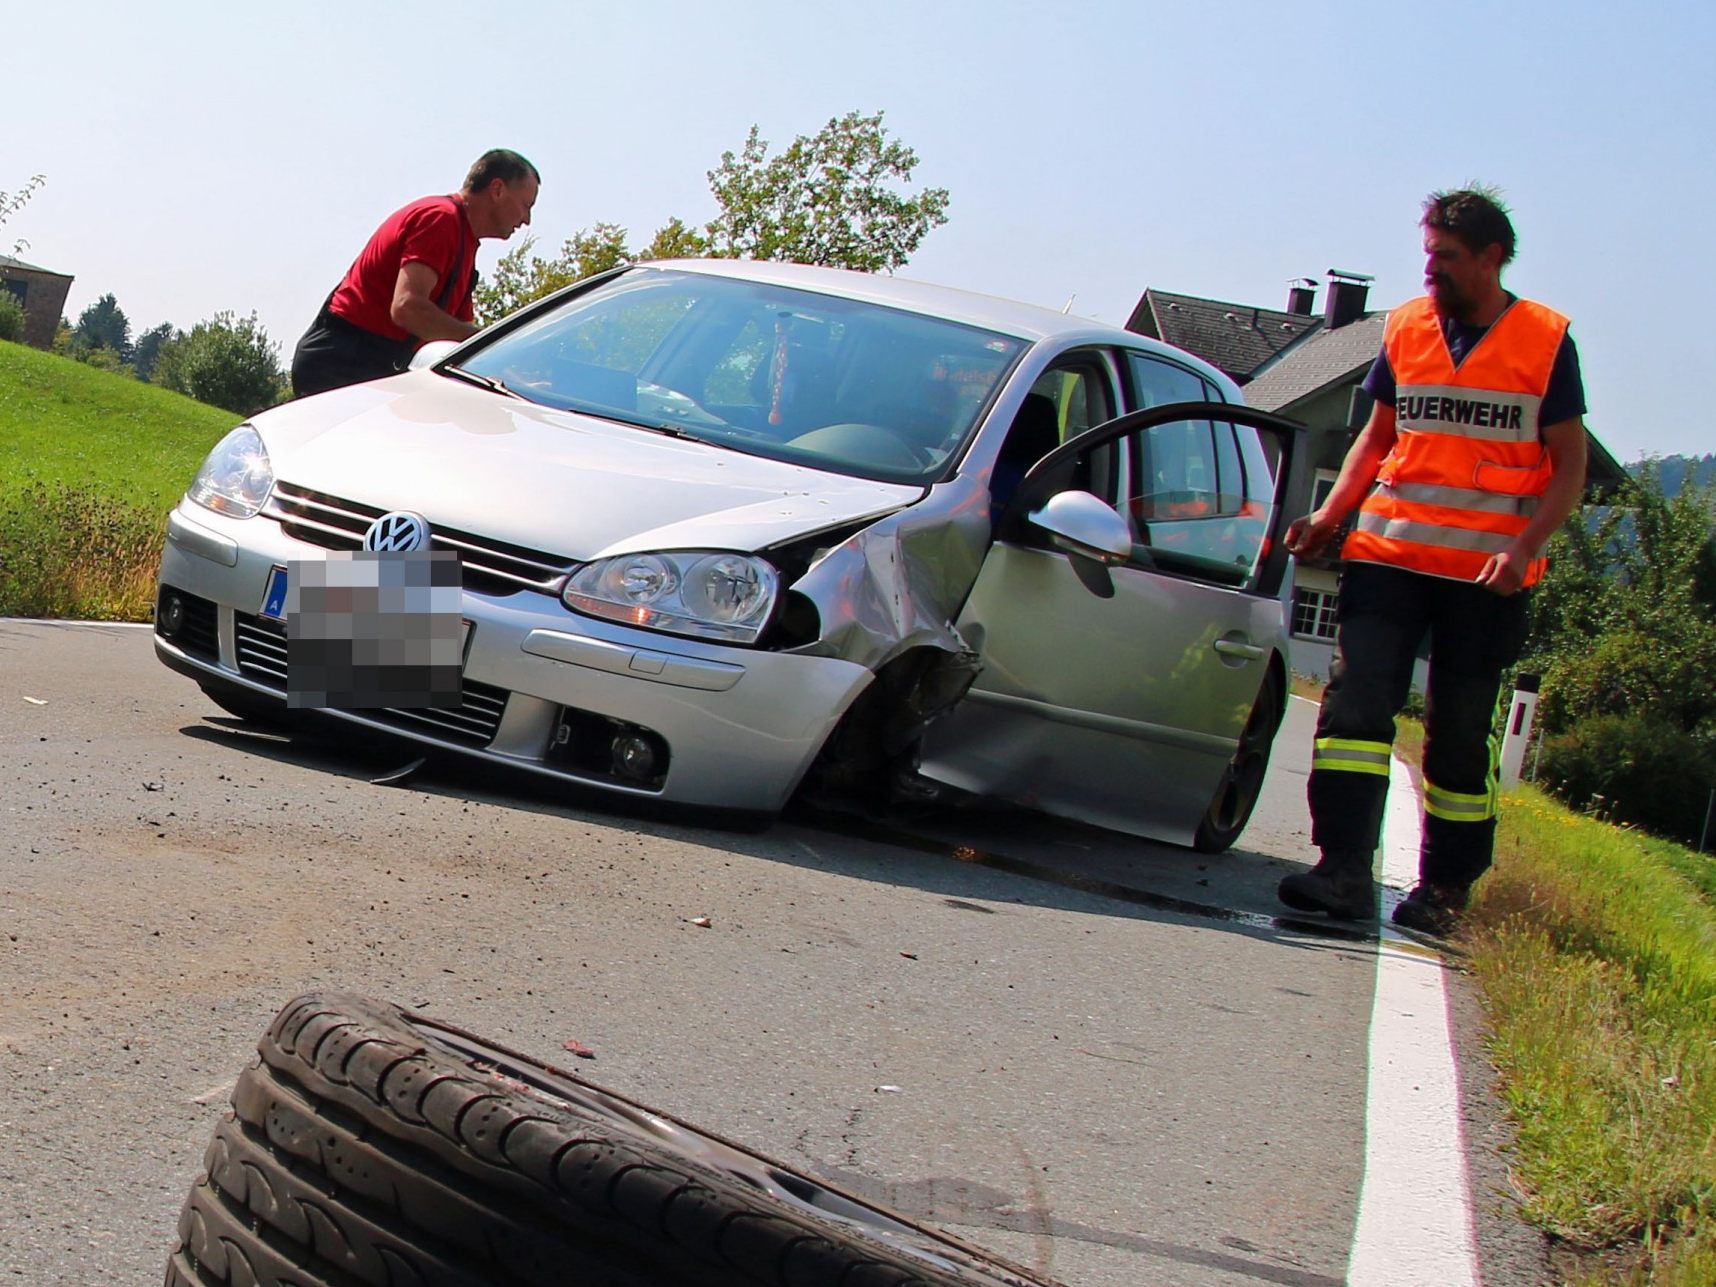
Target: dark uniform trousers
1383 615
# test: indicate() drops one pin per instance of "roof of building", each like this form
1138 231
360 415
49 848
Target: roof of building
1317 361
1237 338
9 261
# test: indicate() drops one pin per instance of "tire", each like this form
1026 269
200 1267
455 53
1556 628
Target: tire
1242 781
368 1145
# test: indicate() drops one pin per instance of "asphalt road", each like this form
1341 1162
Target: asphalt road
1103 1058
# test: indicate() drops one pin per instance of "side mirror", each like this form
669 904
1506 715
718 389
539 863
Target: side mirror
1080 524
431 353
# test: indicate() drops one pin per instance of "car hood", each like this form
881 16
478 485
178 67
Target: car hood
551 480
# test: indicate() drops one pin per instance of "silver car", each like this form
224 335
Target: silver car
714 532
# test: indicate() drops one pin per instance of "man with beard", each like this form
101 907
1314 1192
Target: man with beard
1470 461
414 279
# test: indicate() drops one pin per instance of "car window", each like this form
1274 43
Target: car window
789 374
1199 496
1153 382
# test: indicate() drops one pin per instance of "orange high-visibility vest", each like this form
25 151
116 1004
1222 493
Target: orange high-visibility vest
1468 463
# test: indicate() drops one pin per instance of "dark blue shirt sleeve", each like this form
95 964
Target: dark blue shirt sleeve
1380 382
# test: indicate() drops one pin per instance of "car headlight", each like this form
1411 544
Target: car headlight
236 477
711 594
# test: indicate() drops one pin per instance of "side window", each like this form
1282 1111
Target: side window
1199 499
1062 404
1154 382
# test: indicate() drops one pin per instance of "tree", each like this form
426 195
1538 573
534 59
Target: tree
1626 624
11 318
825 200
103 325
224 362
12 202
674 240
521 277
828 199
148 348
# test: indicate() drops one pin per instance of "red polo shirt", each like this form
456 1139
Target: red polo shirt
428 231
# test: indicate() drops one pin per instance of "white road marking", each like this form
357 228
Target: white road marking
1415 1206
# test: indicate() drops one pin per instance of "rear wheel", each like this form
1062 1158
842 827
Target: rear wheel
1242 782
371 1145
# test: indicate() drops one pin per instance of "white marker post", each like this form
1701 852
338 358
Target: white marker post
1518 734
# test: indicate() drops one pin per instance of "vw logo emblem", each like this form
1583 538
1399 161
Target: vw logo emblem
398 532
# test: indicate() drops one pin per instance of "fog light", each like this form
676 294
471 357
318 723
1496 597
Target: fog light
172 615
634 756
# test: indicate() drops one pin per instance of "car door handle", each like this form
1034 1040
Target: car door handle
1233 648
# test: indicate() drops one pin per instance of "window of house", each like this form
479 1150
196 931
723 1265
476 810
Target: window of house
1314 614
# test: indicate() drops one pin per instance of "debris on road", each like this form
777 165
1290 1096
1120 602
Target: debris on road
578 1048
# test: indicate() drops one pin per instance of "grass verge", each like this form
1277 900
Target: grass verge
1596 953
74 552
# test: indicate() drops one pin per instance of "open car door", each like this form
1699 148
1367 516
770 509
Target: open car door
1131 617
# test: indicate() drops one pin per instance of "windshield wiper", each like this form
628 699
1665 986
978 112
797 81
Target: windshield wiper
483 382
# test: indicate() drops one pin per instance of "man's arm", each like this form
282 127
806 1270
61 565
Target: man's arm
1565 442
1307 536
414 306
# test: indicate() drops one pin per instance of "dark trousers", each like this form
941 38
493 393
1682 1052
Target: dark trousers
334 353
1383 615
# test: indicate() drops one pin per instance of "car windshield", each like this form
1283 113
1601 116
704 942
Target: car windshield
840 384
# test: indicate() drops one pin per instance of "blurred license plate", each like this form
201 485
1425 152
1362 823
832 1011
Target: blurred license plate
274 608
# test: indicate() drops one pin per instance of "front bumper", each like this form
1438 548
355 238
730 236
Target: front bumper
740 726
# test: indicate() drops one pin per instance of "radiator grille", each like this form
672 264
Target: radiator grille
490 566
262 657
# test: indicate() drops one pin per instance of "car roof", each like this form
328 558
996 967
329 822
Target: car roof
1021 321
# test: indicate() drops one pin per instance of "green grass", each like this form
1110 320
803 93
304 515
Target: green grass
62 422
90 462
1596 951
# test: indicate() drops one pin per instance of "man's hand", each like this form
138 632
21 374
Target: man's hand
1504 573
1308 536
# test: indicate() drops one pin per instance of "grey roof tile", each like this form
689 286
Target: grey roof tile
1236 338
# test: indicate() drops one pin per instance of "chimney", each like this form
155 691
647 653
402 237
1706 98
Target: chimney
1301 296
1347 294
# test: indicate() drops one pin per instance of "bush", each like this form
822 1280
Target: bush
72 552
11 318
1632 769
225 362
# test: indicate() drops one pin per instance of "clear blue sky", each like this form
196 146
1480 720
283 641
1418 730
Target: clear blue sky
209 156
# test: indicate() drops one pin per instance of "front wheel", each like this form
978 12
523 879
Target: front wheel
1242 781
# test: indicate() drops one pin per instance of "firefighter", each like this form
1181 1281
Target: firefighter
1472 457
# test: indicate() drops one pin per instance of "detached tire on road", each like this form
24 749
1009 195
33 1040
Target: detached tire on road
370 1145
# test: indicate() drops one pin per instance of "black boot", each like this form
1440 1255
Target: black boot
1433 909
1339 885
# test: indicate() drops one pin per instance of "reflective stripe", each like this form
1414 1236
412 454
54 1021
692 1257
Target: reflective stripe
1492 415
1453 538
1458 806
1346 755
1459 498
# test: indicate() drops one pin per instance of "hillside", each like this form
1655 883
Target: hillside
64 422
1676 472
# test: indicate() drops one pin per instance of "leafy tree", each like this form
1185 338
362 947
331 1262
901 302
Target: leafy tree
12 202
103 325
826 199
225 362
1626 624
521 277
11 317
148 348
674 240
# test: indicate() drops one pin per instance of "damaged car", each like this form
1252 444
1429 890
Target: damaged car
711 533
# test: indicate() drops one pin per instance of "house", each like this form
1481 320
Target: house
1309 367
42 292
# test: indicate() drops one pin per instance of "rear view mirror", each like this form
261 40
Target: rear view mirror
431 353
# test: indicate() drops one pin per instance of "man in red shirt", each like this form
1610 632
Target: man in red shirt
413 280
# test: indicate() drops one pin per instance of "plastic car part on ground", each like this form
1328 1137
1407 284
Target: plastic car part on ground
371 1145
